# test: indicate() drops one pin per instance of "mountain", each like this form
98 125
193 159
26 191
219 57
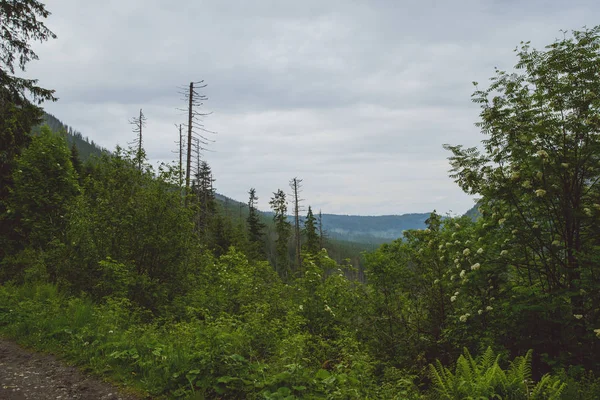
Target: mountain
85 147
371 229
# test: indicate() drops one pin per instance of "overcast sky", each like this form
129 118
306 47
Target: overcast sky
354 97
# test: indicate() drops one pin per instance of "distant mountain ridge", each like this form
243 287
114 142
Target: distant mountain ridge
372 229
351 228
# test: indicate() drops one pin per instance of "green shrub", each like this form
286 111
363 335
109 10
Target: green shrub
483 378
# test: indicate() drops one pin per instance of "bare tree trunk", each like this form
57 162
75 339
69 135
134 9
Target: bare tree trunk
189 143
295 184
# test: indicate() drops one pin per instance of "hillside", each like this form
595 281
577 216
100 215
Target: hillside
86 147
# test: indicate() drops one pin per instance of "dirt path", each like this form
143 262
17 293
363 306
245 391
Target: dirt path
28 375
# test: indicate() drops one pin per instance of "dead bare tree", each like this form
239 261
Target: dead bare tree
138 123
296 185
195 127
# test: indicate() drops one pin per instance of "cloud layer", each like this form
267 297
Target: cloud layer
355 98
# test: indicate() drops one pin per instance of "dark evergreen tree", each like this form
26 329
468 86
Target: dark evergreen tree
205 193
283 229
255 226
310 233
76 160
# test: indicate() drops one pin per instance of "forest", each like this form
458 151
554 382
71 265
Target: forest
141 276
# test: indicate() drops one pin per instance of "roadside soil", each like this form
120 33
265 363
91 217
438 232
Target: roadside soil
28 375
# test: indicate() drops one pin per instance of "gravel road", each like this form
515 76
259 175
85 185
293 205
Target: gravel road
28 375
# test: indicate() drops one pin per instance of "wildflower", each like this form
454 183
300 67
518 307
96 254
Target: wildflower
489 308
565 165
597 332
110 331
540 193
452 277
442 258
492 298
456 261
427 230
329 310
535 226
504 252
453 235
468 242
453 298
578 316
457 226
587 212
301 307
539 175
463 273
456 293
475 267
441 247
457 242
542 154
556 243
436 281
480 251
479 312
448 244
466 252
526 184
463 318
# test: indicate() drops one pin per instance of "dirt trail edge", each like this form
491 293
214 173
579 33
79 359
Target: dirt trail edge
28 375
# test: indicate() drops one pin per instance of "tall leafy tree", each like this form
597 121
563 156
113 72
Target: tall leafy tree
22 22
45 185
538 176
283 228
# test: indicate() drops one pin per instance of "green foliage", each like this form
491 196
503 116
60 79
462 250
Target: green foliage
109 265
485 379
537 181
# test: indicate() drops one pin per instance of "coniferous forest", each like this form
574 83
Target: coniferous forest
147 278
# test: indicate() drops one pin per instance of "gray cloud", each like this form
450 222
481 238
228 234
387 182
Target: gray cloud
356 98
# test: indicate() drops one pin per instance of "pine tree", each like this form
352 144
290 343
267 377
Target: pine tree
255 227
283 228
205 193
76 160
310 232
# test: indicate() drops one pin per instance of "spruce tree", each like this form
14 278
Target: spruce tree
283 228
310 232
255 227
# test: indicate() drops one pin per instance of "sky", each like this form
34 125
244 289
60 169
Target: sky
356 98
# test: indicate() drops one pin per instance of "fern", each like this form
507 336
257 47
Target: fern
483 378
